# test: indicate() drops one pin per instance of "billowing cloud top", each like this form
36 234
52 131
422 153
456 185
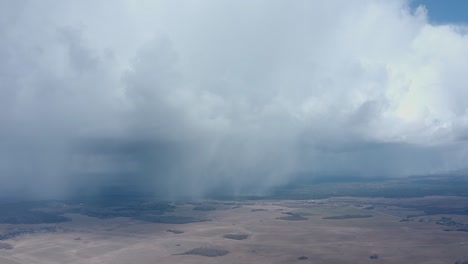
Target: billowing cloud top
186 97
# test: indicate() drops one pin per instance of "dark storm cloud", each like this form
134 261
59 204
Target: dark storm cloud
182 99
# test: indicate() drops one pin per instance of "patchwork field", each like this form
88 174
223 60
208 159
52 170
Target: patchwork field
336 230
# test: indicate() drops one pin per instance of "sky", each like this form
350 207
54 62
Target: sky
190 97
445 12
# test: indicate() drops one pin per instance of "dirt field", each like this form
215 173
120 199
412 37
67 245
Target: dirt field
270 239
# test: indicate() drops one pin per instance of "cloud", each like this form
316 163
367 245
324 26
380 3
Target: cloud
183 99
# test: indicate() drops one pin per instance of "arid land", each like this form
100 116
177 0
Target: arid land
332 230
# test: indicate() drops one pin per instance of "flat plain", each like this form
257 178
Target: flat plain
332 230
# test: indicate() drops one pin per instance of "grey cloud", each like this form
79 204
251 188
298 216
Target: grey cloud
189 98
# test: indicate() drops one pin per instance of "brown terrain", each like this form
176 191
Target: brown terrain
335 230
